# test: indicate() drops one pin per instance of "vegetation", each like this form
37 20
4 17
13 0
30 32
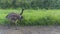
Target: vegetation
34 17
34 4
39 16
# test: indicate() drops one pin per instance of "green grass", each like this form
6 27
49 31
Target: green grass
34 17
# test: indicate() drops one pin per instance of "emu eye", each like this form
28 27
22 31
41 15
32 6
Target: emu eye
21 17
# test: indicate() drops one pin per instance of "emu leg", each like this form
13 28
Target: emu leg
8 25
16 25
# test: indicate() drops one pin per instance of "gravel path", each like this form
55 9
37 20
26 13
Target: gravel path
31 30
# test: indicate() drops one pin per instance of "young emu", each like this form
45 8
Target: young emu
13 17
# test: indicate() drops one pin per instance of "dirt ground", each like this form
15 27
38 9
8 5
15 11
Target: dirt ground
31 30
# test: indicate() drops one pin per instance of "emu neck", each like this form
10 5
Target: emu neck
21 12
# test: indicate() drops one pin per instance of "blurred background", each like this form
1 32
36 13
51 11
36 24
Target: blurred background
30 4
37 12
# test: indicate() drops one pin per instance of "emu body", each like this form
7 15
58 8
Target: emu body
14 17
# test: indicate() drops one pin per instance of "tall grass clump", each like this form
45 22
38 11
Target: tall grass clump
34 17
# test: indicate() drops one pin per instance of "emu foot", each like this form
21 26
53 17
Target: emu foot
8 26
16 28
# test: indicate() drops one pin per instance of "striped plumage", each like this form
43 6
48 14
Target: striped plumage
14 17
